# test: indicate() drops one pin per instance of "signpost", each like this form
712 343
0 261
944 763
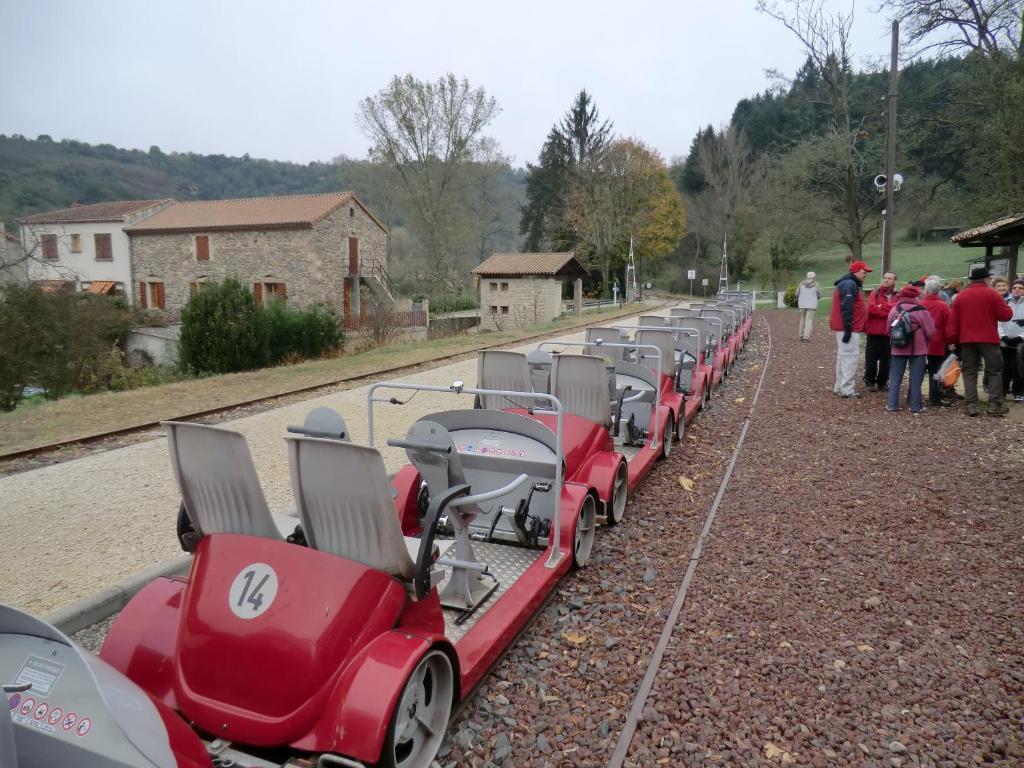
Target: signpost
691 275
704 285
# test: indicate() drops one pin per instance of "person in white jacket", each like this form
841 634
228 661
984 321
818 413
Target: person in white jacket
807 297
1011 336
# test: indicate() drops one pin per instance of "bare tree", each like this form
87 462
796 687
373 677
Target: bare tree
28 259
948 27
840 167
428 131
730 171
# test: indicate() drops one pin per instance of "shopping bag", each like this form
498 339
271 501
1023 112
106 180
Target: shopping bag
949 371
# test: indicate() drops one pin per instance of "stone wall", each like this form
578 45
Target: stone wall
530 300
312 263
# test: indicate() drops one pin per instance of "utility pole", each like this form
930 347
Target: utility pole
890 152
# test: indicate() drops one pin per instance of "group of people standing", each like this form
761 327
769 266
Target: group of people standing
911 330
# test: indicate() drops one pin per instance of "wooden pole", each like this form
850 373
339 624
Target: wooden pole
890 151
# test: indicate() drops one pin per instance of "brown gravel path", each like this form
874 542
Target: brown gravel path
859 602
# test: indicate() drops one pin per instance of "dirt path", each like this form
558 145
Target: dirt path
860 600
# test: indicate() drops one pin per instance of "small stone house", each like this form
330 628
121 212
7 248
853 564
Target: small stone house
13 264
85 247
520 289
302 249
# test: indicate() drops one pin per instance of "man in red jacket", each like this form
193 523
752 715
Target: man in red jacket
876 351
973 326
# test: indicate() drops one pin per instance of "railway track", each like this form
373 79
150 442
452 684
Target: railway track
57 452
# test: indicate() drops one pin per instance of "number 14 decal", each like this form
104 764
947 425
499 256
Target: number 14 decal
252 591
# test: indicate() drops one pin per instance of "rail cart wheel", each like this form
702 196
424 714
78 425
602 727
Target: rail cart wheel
620 490
667 437
421 716
681 424
583 538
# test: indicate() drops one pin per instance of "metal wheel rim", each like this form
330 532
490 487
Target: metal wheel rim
620 490
421 716
681 424
666 439
583 537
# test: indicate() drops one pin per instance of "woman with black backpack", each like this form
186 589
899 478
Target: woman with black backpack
910 329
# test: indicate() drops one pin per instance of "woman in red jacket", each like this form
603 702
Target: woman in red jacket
939 310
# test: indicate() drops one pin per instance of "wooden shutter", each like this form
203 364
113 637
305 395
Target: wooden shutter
49 247
104 250
158 295
202 248
353 255
257 292
281 294
142 295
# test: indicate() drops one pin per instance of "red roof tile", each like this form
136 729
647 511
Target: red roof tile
510 264
78 214
285 212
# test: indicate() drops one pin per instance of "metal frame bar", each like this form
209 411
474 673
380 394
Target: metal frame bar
458 388
655 441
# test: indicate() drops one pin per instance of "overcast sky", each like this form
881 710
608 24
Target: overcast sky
283 80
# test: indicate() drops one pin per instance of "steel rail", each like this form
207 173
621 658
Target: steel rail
647 683
192 415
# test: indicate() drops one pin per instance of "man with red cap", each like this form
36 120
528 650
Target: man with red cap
849 315
973 324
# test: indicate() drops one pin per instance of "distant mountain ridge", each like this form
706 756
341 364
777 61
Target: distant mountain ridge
41 174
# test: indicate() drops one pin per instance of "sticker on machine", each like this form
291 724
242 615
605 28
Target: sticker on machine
41 673
253 591
55 715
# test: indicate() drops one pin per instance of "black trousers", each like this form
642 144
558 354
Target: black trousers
876 361
1012 375
934 387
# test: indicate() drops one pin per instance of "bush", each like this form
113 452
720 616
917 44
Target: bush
59 342
451 302
223 330
304 333
789 299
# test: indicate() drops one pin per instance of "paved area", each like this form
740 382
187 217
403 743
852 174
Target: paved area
71 529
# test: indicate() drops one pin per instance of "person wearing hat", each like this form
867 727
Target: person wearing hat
973 324
912 356
807 297
848 318
876 350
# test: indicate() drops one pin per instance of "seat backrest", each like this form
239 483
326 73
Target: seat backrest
685 312
665 342
580 382
655 321
609 336
344 501
499 369
440 469
218 481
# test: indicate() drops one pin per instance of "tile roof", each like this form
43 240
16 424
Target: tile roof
992 228
101 287
284 212
530 264
117 211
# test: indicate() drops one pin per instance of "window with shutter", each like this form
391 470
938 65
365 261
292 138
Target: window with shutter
142 296
202 248
49 246
275 292
104 251
257 292
76 243
156 291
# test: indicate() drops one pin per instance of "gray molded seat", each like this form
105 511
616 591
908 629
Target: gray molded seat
218 482
652 321
344 501
580 382
509 371
608 336
665 342
685 312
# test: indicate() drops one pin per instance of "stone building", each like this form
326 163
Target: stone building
85 247
303 249
520 289
13 264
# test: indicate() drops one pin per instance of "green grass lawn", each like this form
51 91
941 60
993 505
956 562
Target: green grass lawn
909 262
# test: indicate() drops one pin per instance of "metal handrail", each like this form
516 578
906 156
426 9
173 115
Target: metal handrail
457 388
